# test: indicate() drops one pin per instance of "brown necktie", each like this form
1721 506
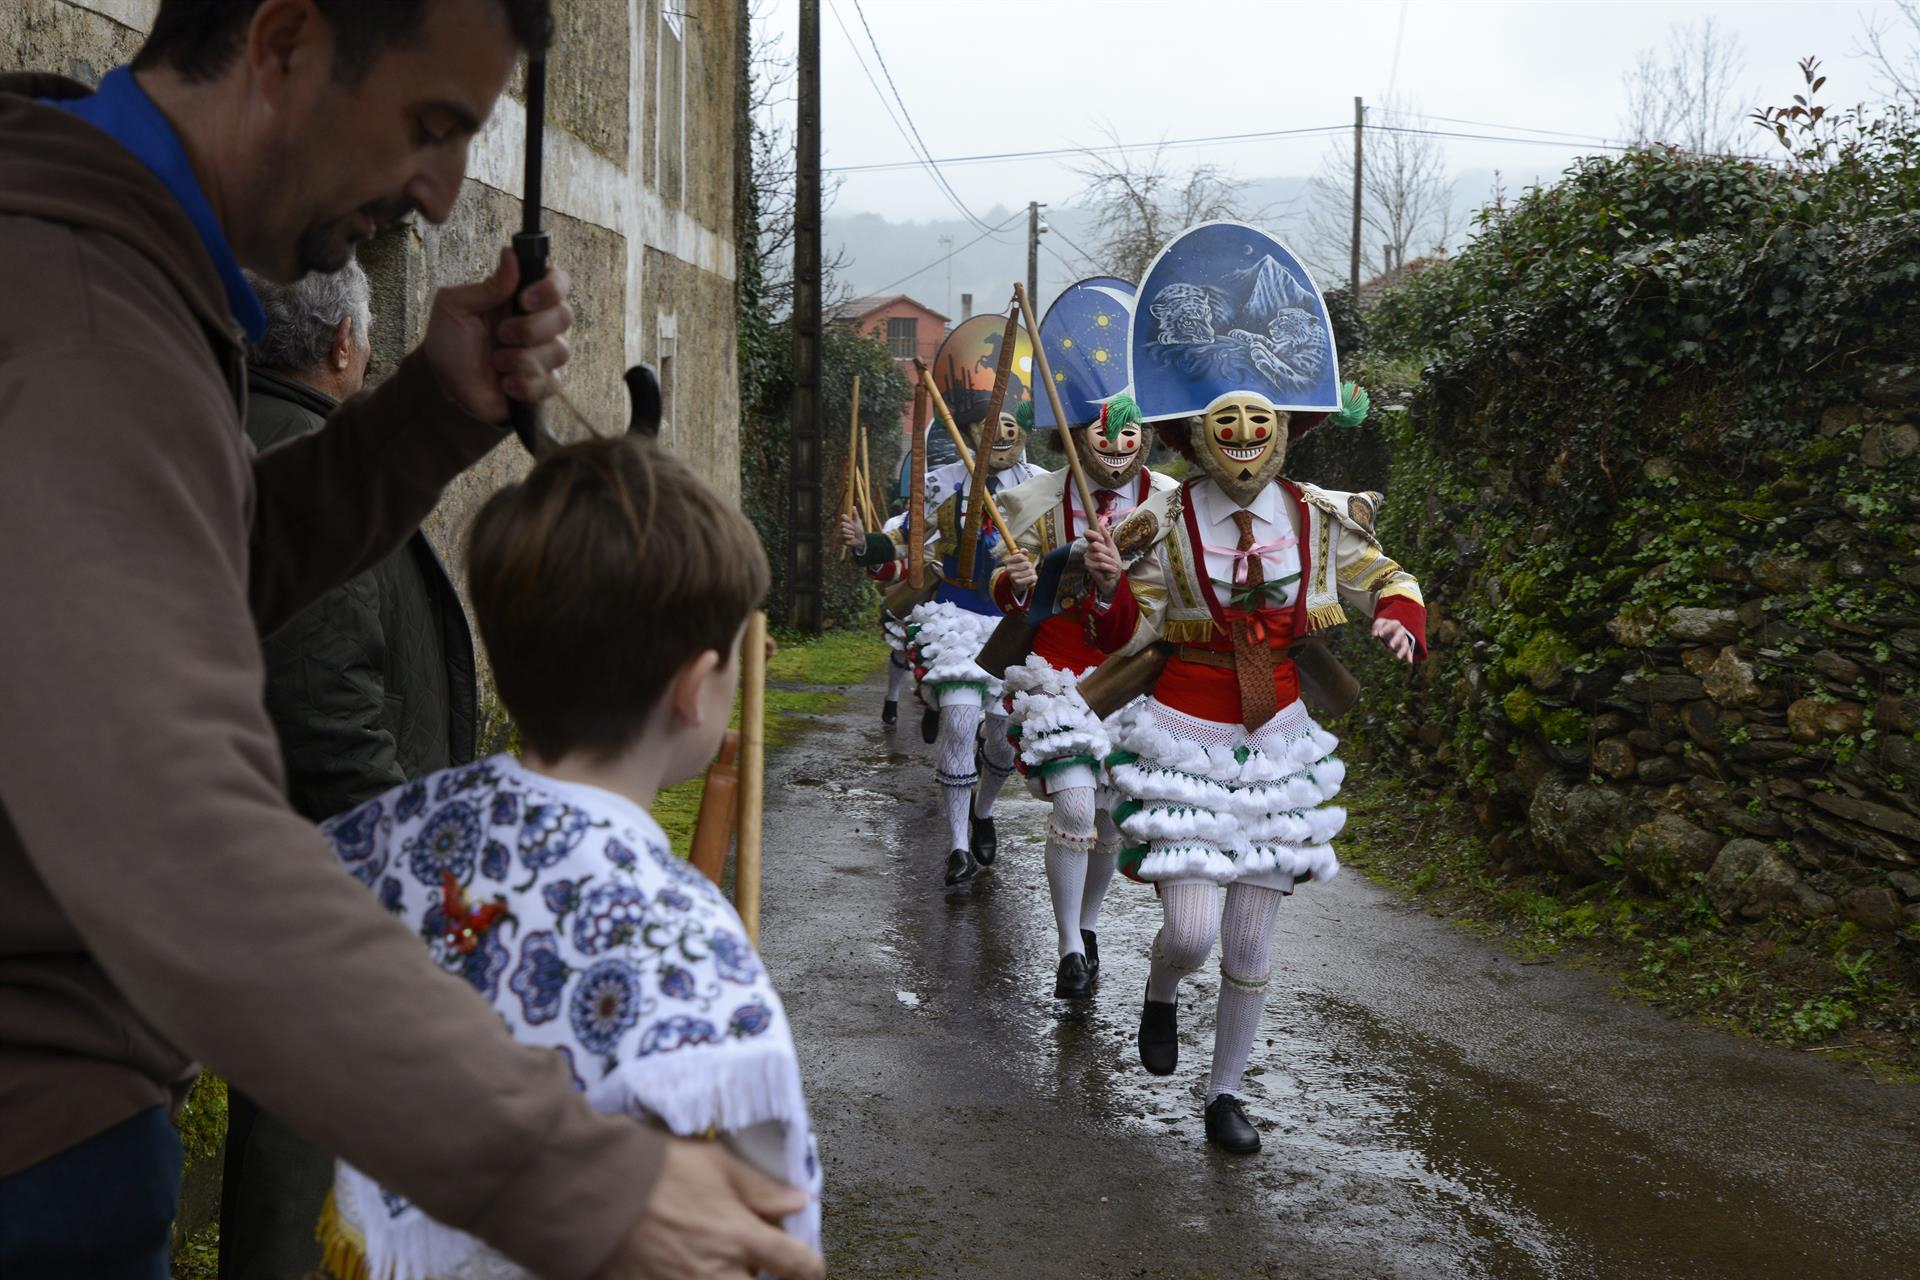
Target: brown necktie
1252 659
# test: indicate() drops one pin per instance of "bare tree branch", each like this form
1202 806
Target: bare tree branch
1406 198
1892 44
1140 204
1686 97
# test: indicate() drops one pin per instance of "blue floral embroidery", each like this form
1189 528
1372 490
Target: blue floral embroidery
506 809
676 1032
396 1203
495 863
390 890
674 899
750 1020
605 1005
734 957
562 896
579 1085
610 915
446 842
353 834
548 833
411 801
540 979
681 870
620 856
457 780
677 982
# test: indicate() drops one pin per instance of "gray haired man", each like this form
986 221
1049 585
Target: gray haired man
369 686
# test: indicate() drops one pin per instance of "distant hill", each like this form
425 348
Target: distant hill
880 252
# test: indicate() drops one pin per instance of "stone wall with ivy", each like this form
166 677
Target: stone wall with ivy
1655 456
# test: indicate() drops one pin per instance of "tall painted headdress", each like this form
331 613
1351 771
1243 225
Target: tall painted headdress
1085 334
1227 309
964 367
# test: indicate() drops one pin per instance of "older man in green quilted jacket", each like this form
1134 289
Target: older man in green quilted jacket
370 685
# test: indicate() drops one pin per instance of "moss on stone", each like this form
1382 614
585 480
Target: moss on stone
1566 727
1522 708
1543 660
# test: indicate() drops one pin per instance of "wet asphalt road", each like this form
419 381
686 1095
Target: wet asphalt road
1430 1106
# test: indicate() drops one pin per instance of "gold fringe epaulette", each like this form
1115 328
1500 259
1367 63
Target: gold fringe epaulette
1189 632
1325 615
343 1251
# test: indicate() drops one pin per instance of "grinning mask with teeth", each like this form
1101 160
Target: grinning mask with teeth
1006 444
1113 447
1242 444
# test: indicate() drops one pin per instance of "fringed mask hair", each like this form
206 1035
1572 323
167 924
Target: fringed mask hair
1006 440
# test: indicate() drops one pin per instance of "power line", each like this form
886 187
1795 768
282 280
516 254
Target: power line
1054 152
925 150
939 181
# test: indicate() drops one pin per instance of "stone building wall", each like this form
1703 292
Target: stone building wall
639 199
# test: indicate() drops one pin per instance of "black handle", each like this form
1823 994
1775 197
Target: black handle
643 395
530 248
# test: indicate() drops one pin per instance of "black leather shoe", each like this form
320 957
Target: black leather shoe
890 712
961 867
1091 941
1073 981
1228 1127
982 839
1160 1036
930 725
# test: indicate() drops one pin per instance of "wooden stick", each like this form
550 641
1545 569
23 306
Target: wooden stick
866 482
1045 376
719 810
959 444
848 504
981 469
917 488
753 774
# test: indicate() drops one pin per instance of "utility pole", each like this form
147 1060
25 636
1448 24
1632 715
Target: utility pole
804 560
946 242
1359 124
1034 230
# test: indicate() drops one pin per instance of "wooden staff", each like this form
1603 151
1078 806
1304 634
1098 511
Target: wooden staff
866 484
1067 446
959 444
850 471
719 810
753 773
981 468
917 488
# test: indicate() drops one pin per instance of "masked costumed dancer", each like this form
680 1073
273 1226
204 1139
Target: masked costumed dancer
888 575
1225 777
1046 578
974 758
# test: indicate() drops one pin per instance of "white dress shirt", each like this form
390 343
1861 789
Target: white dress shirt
1275 531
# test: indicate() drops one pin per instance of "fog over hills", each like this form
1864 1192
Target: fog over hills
879 252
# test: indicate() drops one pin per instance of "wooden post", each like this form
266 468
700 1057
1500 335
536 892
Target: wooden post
806 437
753 774
917 490
1359 158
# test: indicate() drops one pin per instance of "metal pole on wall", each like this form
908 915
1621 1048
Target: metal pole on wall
804 564
1359 124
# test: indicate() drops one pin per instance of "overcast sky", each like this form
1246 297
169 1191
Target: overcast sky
989 76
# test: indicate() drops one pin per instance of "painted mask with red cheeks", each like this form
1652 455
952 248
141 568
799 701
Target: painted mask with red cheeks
1241 442
1113 459
1006 442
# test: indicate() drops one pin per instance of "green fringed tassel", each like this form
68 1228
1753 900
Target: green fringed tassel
1353 406
1023 414
1116 415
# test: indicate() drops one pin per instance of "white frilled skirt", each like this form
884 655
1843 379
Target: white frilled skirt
1205 800
1062 744
943 640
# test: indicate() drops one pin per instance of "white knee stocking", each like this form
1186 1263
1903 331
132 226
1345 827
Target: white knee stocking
1069 840
954 770
1246 944
996 752
1189 919
1100 863
896 676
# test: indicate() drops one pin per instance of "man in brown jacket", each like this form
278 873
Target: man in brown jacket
159 903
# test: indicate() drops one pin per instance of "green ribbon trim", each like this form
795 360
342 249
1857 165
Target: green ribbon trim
1048 768
1260 595
1131 857
1118 758
1126 810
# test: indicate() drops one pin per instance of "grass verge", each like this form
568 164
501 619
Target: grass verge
1821 987
809 677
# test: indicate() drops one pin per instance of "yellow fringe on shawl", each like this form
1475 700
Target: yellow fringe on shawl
343 1251
1325 615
